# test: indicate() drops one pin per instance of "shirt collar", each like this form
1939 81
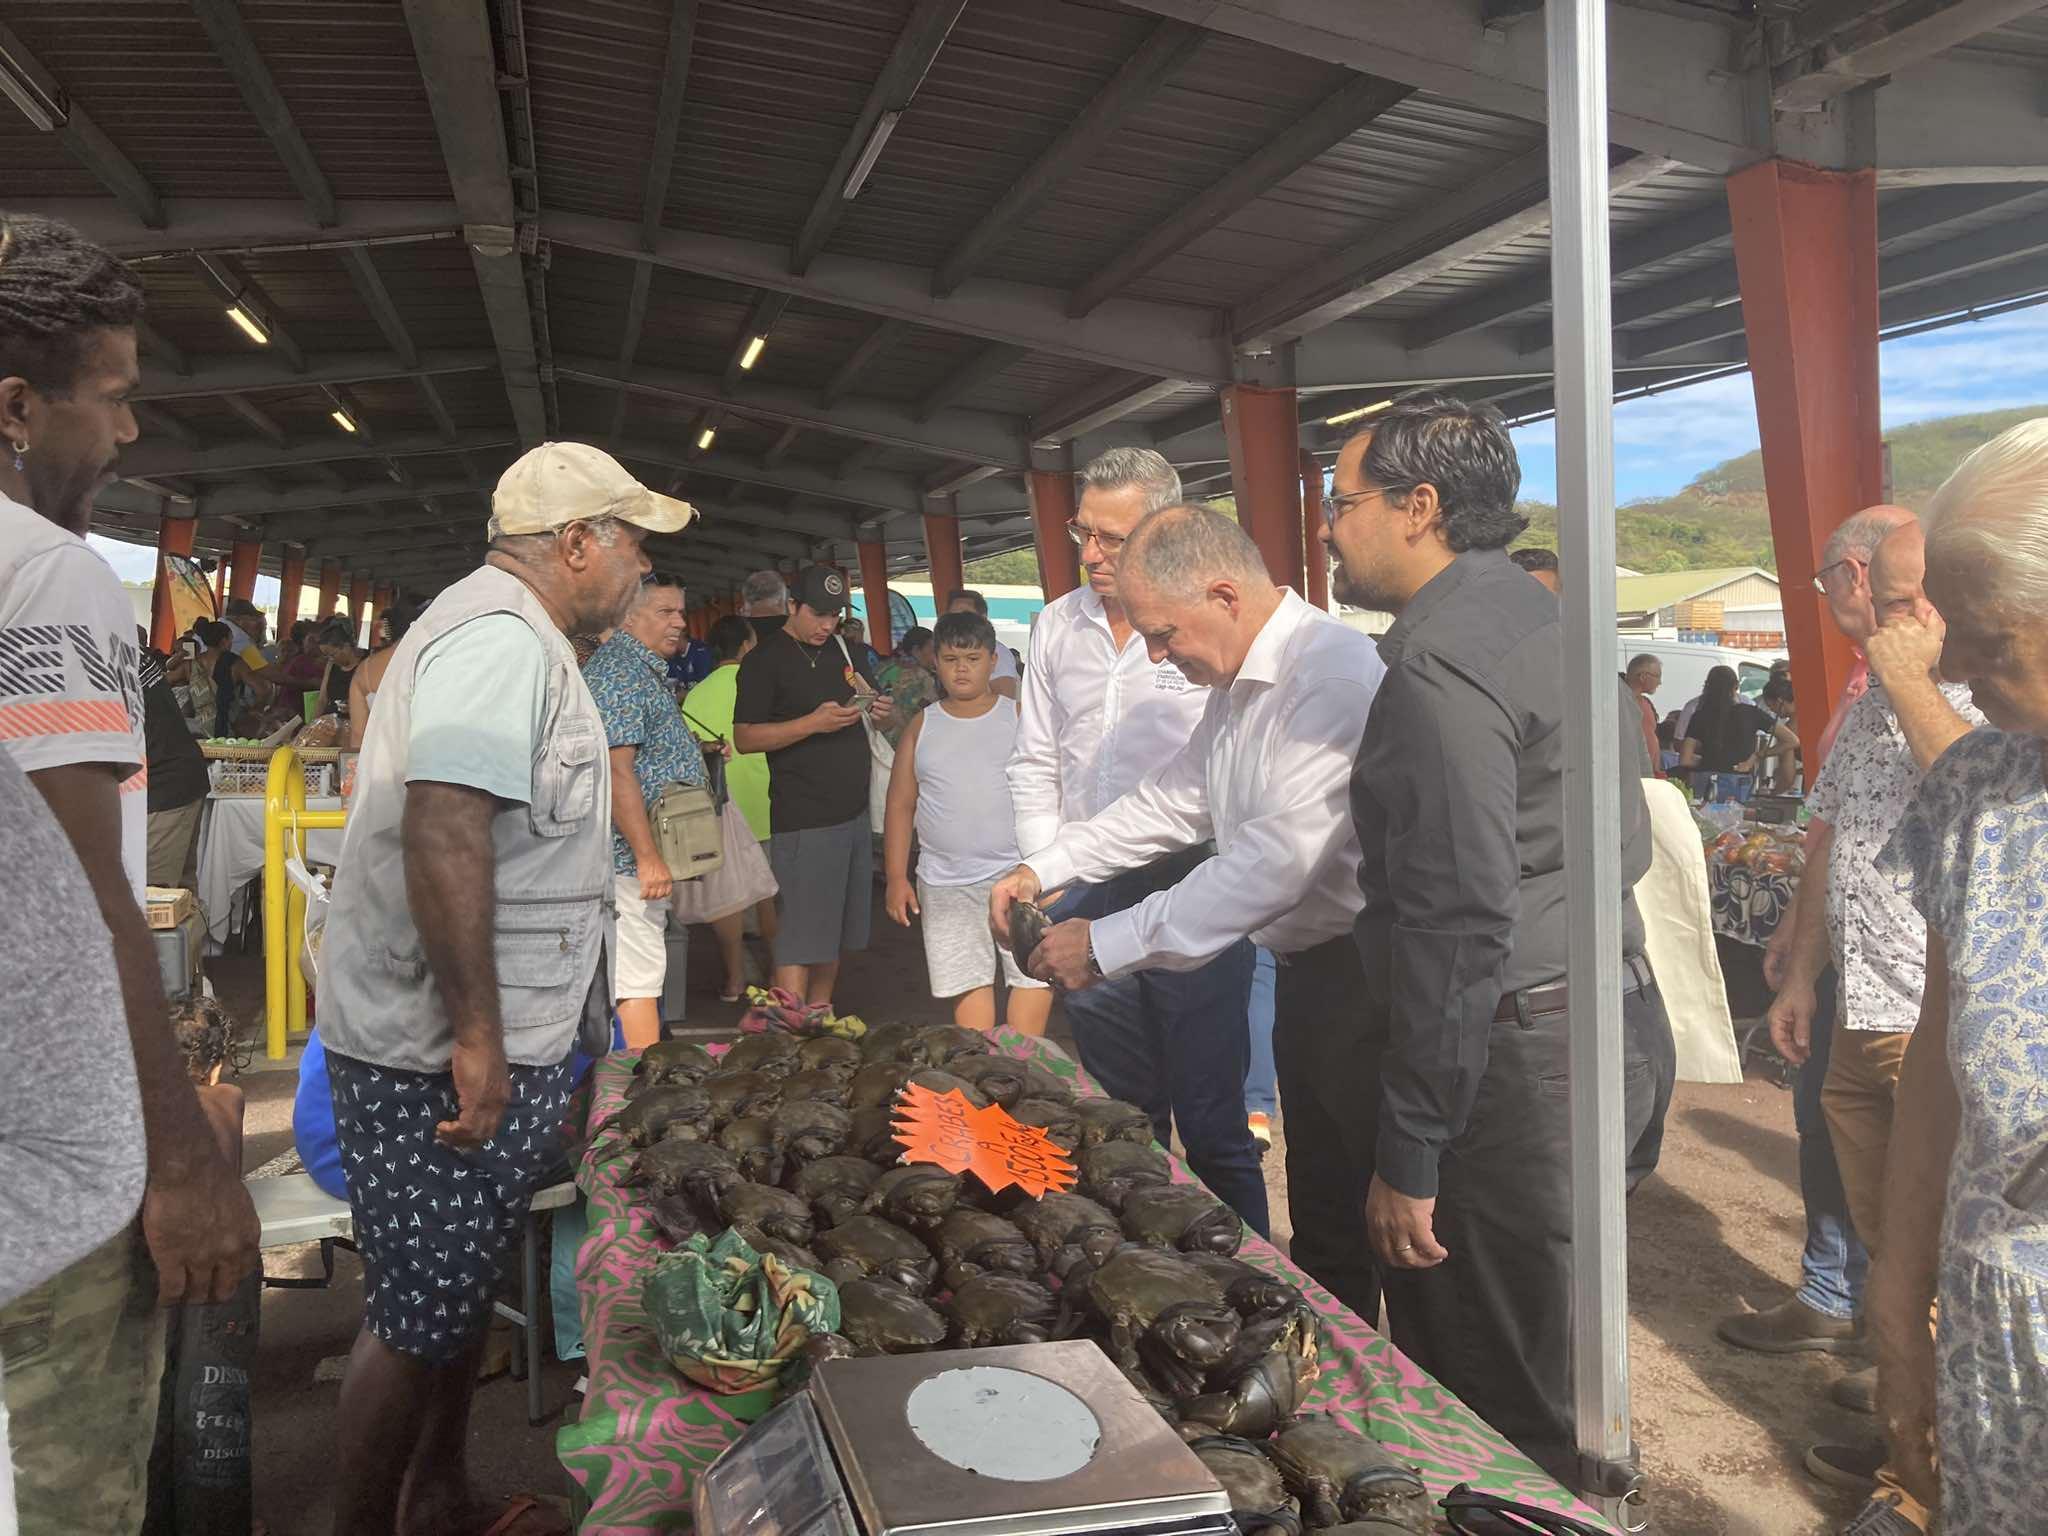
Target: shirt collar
1269 645
632 647
1437 591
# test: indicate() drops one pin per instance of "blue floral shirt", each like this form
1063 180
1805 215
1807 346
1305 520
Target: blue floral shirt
630 684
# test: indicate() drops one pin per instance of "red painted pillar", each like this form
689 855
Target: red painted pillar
221 568
942 548
173 537
358 599
1051 483
1264 430
290 582
1806 260
243 582
330 587
874 582
1315 561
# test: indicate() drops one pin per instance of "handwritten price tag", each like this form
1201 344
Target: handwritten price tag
945 1129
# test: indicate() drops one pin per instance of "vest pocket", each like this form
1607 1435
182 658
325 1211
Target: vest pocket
566 787
539 945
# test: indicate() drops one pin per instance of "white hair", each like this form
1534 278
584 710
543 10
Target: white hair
764 590
1179 550
1142 467
1857 536
1989 520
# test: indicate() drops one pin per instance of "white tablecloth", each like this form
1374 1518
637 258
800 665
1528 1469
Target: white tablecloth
231 852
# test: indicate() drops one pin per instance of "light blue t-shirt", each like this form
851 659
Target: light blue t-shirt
479 703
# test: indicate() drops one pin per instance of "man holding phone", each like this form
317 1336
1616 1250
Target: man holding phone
801 699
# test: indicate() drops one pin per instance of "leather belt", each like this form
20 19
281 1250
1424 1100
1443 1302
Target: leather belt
1555 997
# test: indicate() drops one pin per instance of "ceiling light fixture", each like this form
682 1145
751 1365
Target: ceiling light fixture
245 319
342 419
858 176
704 438
1363 411
753 353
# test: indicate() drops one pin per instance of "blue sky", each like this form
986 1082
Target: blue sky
1661 442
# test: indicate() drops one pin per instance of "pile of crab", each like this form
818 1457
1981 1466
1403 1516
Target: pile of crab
792 1142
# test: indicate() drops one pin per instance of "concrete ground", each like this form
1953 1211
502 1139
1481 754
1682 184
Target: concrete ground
1718 1228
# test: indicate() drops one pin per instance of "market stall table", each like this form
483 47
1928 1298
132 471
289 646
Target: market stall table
646 1433
1750 898
231 853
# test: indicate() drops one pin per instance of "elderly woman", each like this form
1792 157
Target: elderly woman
1966 1210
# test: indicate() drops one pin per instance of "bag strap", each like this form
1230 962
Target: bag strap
714 766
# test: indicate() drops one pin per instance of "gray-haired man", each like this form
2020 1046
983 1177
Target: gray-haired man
1098 716
764 602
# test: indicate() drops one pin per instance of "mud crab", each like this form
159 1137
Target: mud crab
678 1111
695 1170
765 1209
1164 1315
940 1081
1183 1216
1028 925
834 1187
820 1085
1262 1381
869 1247
1067 1229
757 1146
971 1242
883 1041
670 1061
1258 1494
1339 1475
1001 1309
883 1319
917 1196
1061 1125
736 1094
773 1053
1107 1120
828 1053
811 1129
876 1085
1000 1077
942 1043
1111 1171
874 1135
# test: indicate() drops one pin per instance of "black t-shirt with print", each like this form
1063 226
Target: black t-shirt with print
822 780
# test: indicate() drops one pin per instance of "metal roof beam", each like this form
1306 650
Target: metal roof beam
459 65
1952 120
1881 45
761 320
161 423
91 148
1338 116
1164 49
629 341
226 375
987 363
784 440
877 341
236 458
265 424
236 286
155 344
668 118
917 45
289 516
981 436
436 406
1103 400
1505 205
362 271
237 50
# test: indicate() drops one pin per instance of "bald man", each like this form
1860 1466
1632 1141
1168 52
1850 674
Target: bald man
1857 918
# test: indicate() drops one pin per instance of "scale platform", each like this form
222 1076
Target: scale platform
1024 1440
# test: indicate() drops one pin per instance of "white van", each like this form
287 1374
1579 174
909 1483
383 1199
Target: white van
1686 667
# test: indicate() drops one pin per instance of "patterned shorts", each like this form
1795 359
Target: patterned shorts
434 1225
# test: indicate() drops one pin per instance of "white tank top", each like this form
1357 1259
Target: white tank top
965 829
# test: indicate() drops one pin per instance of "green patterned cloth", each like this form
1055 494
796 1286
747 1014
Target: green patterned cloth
910 686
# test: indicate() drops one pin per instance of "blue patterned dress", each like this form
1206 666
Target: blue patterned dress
1974 848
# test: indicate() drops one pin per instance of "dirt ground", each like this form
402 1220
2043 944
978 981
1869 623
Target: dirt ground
1717 1229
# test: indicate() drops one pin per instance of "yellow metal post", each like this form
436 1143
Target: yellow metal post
285 823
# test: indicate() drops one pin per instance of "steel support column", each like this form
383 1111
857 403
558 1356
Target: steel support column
290 582
242 583
173 537
1806 260
874 585
1264 430
942 549
330 588
1315 561
1051 483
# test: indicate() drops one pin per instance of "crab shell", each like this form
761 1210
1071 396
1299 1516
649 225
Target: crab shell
1251 1480
766 1209
1183 1216
1163 1309
810 1129
942 1082
756 1145
678 1110
869 1247
1340 1475
1066 1228
828 1053
1041 1084
697 1170
942 1043
1106 1120
821 1085
917 1196
672 1061
971 1242
1028 925
876 1085
1061 1125
882 1041
1000 1077
1000 1309
874 1135
773 1053
883 1319
1111 1171
834 1187
793 1255
736 1094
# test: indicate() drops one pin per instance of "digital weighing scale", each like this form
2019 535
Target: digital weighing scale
1022 1440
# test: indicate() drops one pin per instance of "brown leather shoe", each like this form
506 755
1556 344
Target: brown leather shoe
1857 1391
1789 1328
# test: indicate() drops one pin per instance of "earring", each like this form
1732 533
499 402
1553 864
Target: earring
20 447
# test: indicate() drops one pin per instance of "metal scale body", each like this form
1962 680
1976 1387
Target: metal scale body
1024 1440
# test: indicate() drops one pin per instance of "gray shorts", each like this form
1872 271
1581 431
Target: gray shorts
960 951
826 876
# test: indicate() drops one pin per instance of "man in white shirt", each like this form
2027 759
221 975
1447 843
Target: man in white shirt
71 717
1266 774
1096 715
248 629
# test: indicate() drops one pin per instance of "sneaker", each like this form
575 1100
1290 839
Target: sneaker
1847 1466
1261 1127
1857 1391
1882 1517
1788 1328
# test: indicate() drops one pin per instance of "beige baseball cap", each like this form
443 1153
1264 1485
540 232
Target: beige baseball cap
556 484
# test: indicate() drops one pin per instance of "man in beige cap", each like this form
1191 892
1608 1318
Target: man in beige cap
466 951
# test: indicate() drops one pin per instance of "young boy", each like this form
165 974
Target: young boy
949 783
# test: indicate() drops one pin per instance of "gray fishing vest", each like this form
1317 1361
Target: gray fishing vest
553 879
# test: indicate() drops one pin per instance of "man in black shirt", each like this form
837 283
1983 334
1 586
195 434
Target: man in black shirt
801 697
1458 798
177 777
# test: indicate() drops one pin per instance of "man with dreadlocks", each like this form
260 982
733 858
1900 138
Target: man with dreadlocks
84 1351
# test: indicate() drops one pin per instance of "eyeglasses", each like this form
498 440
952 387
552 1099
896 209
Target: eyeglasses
1334 507
1820 577
1108 543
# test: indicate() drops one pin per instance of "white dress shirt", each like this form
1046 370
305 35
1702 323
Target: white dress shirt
1092 719
1267 773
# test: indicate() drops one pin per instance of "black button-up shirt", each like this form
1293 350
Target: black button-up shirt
1458 797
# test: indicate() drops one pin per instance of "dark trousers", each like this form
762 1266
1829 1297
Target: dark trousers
1326 1053
1493 1322
1835 1263
1176 1043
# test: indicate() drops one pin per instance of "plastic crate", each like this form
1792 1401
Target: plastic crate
242 776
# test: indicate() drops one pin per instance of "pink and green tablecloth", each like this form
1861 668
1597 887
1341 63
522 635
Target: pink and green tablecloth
646 1433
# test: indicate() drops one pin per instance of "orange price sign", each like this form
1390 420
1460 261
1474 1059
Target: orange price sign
945 1129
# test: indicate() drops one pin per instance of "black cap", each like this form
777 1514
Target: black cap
820 589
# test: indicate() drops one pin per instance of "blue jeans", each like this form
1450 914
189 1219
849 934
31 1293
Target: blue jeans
1175 1043
1262 1083
1833 1267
